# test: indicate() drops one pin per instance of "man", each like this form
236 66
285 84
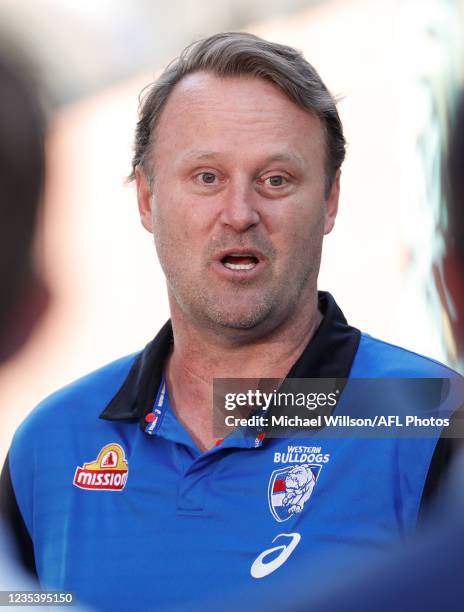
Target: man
23 296
128 497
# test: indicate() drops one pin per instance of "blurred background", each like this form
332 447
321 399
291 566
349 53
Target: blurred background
396 65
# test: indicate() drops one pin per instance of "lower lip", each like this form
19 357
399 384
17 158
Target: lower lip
238 275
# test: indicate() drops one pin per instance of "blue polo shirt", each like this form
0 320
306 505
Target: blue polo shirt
110 498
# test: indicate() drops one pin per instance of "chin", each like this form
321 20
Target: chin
225 312
248 322
234 320
241 318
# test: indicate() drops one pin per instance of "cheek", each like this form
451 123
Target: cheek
300 230
178 239
176 205
167 213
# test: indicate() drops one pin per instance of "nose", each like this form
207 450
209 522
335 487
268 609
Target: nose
239 210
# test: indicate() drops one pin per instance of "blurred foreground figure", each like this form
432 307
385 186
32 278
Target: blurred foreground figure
449 269
23 297
129 496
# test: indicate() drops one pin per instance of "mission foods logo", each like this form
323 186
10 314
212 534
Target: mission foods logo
107 473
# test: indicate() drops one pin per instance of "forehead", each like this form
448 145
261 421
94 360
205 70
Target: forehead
206 112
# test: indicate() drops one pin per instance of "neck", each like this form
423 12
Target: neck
200 356
207 355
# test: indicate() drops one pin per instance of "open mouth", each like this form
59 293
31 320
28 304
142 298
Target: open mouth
240 261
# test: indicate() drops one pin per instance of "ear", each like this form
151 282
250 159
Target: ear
144 198
331 205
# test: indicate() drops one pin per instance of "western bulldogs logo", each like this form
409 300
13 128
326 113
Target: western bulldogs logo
290 488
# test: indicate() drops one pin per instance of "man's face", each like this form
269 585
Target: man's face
238 210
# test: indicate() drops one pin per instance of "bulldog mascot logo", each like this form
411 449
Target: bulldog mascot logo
290 488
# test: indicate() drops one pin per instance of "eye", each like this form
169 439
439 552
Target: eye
276 180
206 178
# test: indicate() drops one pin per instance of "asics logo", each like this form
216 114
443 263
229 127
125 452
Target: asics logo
261 568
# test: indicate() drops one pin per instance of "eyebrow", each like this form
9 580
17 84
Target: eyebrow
199 154
283 157
279 156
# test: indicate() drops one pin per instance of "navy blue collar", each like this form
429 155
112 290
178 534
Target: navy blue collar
329 354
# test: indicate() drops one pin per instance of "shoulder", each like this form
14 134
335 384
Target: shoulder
383 359
54 437
378 359
77 403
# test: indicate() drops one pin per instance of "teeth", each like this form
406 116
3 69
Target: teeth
232 266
